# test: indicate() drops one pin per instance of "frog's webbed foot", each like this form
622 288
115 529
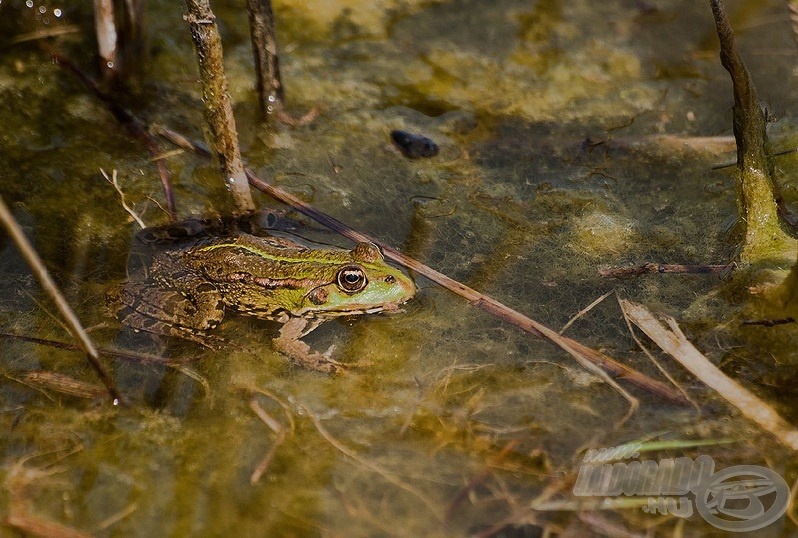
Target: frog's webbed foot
288 343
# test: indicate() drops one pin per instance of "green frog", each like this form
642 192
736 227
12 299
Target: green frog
187 290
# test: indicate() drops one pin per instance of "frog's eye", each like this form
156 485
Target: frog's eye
352 279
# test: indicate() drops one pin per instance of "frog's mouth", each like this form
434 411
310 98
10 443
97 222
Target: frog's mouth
352 310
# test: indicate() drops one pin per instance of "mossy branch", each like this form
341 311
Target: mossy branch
764 240
220 124
753 147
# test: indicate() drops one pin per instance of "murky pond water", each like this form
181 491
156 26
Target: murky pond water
447 421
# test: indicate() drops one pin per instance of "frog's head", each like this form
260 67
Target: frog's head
364 283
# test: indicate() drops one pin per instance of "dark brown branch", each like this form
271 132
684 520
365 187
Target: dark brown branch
264 50
218 110
767 322
194 146
753 148
40 271
763 239
271 92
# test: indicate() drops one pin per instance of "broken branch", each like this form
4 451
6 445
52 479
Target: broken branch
671 340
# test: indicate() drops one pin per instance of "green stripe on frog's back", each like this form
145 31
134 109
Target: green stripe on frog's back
295 254
298 254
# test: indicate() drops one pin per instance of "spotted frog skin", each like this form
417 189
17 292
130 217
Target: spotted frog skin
188 290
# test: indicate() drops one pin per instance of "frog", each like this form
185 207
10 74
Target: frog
188 290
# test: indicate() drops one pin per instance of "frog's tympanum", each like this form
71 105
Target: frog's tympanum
187 290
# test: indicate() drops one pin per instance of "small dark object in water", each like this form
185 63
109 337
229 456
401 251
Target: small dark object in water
413 145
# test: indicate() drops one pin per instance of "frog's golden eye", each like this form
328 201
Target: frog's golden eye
352 279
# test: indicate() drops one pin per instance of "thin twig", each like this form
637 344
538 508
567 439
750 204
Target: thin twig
195 376
286 119
167 154
37 266
49 313
33 386
195 146
44 33
36 526
64 384
529 512
767 322
287 409
386 474
584 311
483 475
113 181
263 466
265 417
277 428
116 518
111 354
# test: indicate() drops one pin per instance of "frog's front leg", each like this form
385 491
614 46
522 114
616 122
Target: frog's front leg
288 343
169 312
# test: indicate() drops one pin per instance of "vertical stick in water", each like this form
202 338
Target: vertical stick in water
107 38
219 120
264 49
